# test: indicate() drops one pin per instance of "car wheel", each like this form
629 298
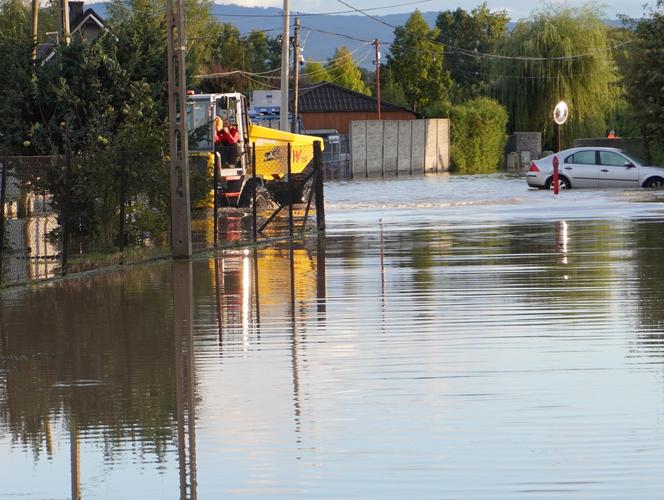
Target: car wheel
655 183
563 183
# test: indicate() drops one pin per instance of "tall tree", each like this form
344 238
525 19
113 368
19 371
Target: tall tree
315 72
467 35
644 75
558 54
16 85
344 71
416 63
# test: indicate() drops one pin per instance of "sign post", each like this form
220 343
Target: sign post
556 185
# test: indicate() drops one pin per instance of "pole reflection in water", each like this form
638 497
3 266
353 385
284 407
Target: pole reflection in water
75 462
184 373
294 347
562 238
321 278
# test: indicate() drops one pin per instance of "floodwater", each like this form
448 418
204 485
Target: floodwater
449 337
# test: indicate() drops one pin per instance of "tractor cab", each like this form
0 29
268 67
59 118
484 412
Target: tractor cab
203 110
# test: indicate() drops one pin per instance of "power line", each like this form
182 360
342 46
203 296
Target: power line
308 14
484 54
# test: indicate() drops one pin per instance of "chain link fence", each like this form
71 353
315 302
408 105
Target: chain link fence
274 193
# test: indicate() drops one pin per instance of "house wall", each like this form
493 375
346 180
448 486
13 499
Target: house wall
397 147
341 121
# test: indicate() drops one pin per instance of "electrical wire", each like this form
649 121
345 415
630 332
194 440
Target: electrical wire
309 14
484 54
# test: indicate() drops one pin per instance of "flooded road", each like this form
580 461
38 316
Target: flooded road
454 337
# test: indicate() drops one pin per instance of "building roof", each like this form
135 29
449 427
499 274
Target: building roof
47 50
328 97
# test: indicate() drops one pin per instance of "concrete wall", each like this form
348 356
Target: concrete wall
398 147
631 144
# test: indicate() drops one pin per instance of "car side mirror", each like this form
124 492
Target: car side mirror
629 164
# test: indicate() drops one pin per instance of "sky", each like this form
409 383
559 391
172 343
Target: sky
516 9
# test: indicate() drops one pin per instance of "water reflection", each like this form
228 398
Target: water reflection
375 363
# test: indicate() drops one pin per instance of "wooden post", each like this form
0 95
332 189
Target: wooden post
35 28
290 192
215 210
3 192
285 45
65 22
296 73
179 151
254 212
320 196
376 44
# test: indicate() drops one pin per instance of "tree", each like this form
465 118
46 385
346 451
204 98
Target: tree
106 127
644 76
559 54
469 34
344 71
315 72
16 84
416 63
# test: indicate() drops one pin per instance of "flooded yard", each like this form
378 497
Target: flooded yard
448 337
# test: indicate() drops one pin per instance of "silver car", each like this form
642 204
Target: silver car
595 167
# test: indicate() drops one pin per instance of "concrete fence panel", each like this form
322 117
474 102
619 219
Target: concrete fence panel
443 144
418 141
374 153
390 147
399 147
405 144
358 149
430 146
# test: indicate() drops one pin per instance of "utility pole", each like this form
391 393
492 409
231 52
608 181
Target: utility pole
64 19
376 44
296 72
285 45
35 24
177 132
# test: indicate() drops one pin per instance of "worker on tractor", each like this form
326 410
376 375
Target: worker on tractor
227 142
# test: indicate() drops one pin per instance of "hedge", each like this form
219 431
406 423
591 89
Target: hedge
477 136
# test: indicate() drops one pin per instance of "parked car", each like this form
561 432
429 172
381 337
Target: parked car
595 167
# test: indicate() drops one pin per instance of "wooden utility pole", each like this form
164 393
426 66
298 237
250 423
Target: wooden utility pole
64 18
35 25
177 131
376 44
296 72
285 45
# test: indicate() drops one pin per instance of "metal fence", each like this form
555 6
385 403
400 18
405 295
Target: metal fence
44 235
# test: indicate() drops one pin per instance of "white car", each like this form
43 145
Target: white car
595 167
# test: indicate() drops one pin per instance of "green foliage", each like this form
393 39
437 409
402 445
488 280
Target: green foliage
477 136
416 63
105 128
576 67
644 77
476 31
315 72
344 71
16 84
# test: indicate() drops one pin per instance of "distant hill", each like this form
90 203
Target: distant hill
332 30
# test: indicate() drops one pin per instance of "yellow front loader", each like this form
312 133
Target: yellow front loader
235 181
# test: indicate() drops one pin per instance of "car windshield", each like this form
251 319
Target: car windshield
634 158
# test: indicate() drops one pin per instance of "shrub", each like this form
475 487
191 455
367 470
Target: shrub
477 136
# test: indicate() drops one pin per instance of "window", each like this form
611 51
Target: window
199 126
582 158
612 159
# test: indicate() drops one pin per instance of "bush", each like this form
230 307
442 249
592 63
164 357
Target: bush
477 136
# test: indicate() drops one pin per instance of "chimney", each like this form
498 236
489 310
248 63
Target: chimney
75 11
